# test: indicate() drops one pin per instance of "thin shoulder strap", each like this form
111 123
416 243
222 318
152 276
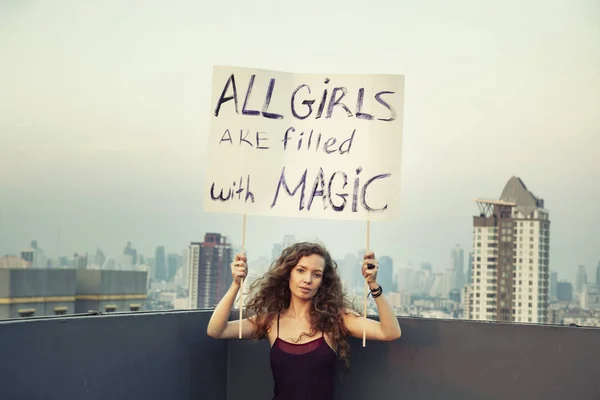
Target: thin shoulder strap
278 324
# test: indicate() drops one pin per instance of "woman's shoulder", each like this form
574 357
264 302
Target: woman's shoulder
262 319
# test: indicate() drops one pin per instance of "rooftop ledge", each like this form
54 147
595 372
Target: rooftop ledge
158 355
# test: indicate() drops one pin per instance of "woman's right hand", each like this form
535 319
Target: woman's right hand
239 269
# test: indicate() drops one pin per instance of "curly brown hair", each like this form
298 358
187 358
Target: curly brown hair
271 295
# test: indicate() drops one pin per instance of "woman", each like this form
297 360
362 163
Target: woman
300 307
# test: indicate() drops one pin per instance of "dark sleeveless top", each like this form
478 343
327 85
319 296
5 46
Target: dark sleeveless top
303 371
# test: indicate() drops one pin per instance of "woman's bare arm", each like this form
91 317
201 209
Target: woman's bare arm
219 326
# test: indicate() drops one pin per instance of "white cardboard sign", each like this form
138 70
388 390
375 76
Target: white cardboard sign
304 145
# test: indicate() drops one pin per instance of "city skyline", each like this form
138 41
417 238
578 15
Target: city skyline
121 259
104 141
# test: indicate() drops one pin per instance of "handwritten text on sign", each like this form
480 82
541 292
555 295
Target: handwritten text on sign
304 145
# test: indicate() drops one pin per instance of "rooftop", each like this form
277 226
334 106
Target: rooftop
150 355
516 191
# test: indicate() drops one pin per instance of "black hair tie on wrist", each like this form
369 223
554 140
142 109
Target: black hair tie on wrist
377 292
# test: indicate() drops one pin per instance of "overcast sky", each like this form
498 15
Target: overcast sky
104 117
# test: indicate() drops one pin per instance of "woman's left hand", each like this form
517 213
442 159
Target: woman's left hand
370 266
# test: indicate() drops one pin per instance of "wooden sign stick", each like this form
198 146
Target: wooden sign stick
242 283
366 286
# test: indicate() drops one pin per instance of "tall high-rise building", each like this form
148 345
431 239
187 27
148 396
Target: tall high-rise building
160 265
209 270
511 257
457 260
455 275
173 264
581 279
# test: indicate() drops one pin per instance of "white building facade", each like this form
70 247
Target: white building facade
510 276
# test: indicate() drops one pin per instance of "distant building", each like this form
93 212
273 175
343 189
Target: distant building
182 276
457 265
404 280
209 270
131 253
173 265
37 292
438 286
100 258
385 274
35 256
423 279
511 257
564 291
581 279
454 295
80 261
553 285
160 266
590 298
28 255
14 262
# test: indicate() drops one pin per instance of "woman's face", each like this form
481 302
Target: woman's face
307 276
